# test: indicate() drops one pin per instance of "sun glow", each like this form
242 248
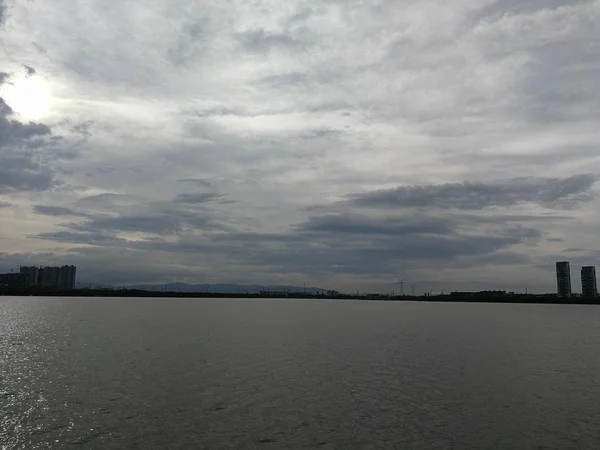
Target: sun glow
29 97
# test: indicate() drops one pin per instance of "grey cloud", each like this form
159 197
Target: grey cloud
328 245
103 229
107 265
160 224
190 43
286 79
559 41
560 154
501 258
22 160
198 198
14 132
259 40
83 129
321 246
218 111
88 238
4 204
197 181
56 211
2 12
505 218
379 254
3 77
23 173
30 70
357 224
302 14
548 192
320 133
5 111
39 48
224 111
497 9
102 201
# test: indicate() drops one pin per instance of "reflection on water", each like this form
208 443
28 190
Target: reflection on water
178 373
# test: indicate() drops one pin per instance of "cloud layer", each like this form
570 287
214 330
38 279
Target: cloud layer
341 144
547 192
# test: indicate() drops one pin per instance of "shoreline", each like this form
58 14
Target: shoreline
473 298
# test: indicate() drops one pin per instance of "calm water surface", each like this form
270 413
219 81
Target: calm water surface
112 373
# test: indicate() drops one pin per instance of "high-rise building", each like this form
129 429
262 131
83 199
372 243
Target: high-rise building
49 276
66 277
588 282
563 279
53 277
32 275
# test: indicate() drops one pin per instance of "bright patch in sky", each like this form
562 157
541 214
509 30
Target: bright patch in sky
29 97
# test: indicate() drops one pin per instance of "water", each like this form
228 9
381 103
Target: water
113 373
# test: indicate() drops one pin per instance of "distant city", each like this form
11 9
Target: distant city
54 278
61 278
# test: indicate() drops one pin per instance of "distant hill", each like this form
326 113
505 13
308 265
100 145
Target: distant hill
223 288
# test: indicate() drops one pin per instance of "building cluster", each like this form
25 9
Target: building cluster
589 288
46 277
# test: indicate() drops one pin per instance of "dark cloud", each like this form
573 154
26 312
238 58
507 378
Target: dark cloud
14 132
22 163
4 204
3 75
30 70
548 192
364 225
372 251
330 244
22 172
56 211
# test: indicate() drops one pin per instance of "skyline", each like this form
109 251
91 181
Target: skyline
587 282
337 144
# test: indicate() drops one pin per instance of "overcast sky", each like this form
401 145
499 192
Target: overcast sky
339 143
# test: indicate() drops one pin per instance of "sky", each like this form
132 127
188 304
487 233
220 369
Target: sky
342 144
